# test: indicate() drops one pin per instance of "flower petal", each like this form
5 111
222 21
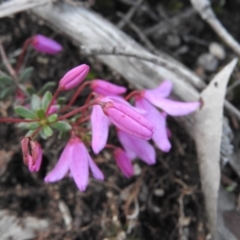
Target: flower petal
36 166
79 166
106 88
162 91
123 162
100 124
175 108
156 117
62 165
143 149
97 173
128 120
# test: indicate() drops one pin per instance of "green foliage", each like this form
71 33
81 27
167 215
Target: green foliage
62 126
47 97
24 112
26 74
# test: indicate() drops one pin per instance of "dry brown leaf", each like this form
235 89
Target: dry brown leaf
208 132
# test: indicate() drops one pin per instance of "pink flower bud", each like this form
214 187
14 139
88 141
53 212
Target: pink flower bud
45 45
32 153
106 88
74 77
128 120
123 162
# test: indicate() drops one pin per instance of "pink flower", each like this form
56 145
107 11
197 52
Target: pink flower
100 124
74 77
136 147
160 136
157 97
45 45
106 88
32 154
53 109
128 120
123 162
76 159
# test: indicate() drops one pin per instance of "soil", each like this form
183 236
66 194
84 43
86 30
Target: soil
168 194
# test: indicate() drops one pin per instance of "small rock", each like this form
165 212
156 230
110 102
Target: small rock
159 192
208 62
173 40
217 50
137 169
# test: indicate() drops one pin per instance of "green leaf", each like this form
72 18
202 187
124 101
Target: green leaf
62 126
46 100
23 125
31 90
26 74
24 112
5 79
42 135
29 133
61 100
35 102
52 118
46 87
48 132
33 125
7 91
41 114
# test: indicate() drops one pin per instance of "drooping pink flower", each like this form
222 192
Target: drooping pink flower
44 44
74 77
106 88
157 97
123 162
32 153
128 120
34 165
100 124
136 147
76 159
160 136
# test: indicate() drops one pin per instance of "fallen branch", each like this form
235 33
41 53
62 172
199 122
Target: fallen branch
204 9
15 6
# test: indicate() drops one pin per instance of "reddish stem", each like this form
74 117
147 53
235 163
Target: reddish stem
87 101
17 120
132 94
24 48
110 146
53 98
77 110
82 120
74 97
36 132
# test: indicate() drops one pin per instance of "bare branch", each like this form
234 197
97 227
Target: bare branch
204 9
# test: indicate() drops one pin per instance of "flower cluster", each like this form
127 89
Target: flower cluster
105 106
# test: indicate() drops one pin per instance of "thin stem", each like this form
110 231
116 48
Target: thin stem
110 146
10 69
24 48
36 132
82 120
53 98
87 101
17 120
74 97
77 110
132 94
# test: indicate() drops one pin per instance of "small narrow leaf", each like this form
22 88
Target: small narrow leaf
46 100
5 79
41 114
6 92
47 131
33 126
61 100
35 102
62 126
31 90
52 118
26 74
46 87
24 112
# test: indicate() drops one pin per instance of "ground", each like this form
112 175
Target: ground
168 194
